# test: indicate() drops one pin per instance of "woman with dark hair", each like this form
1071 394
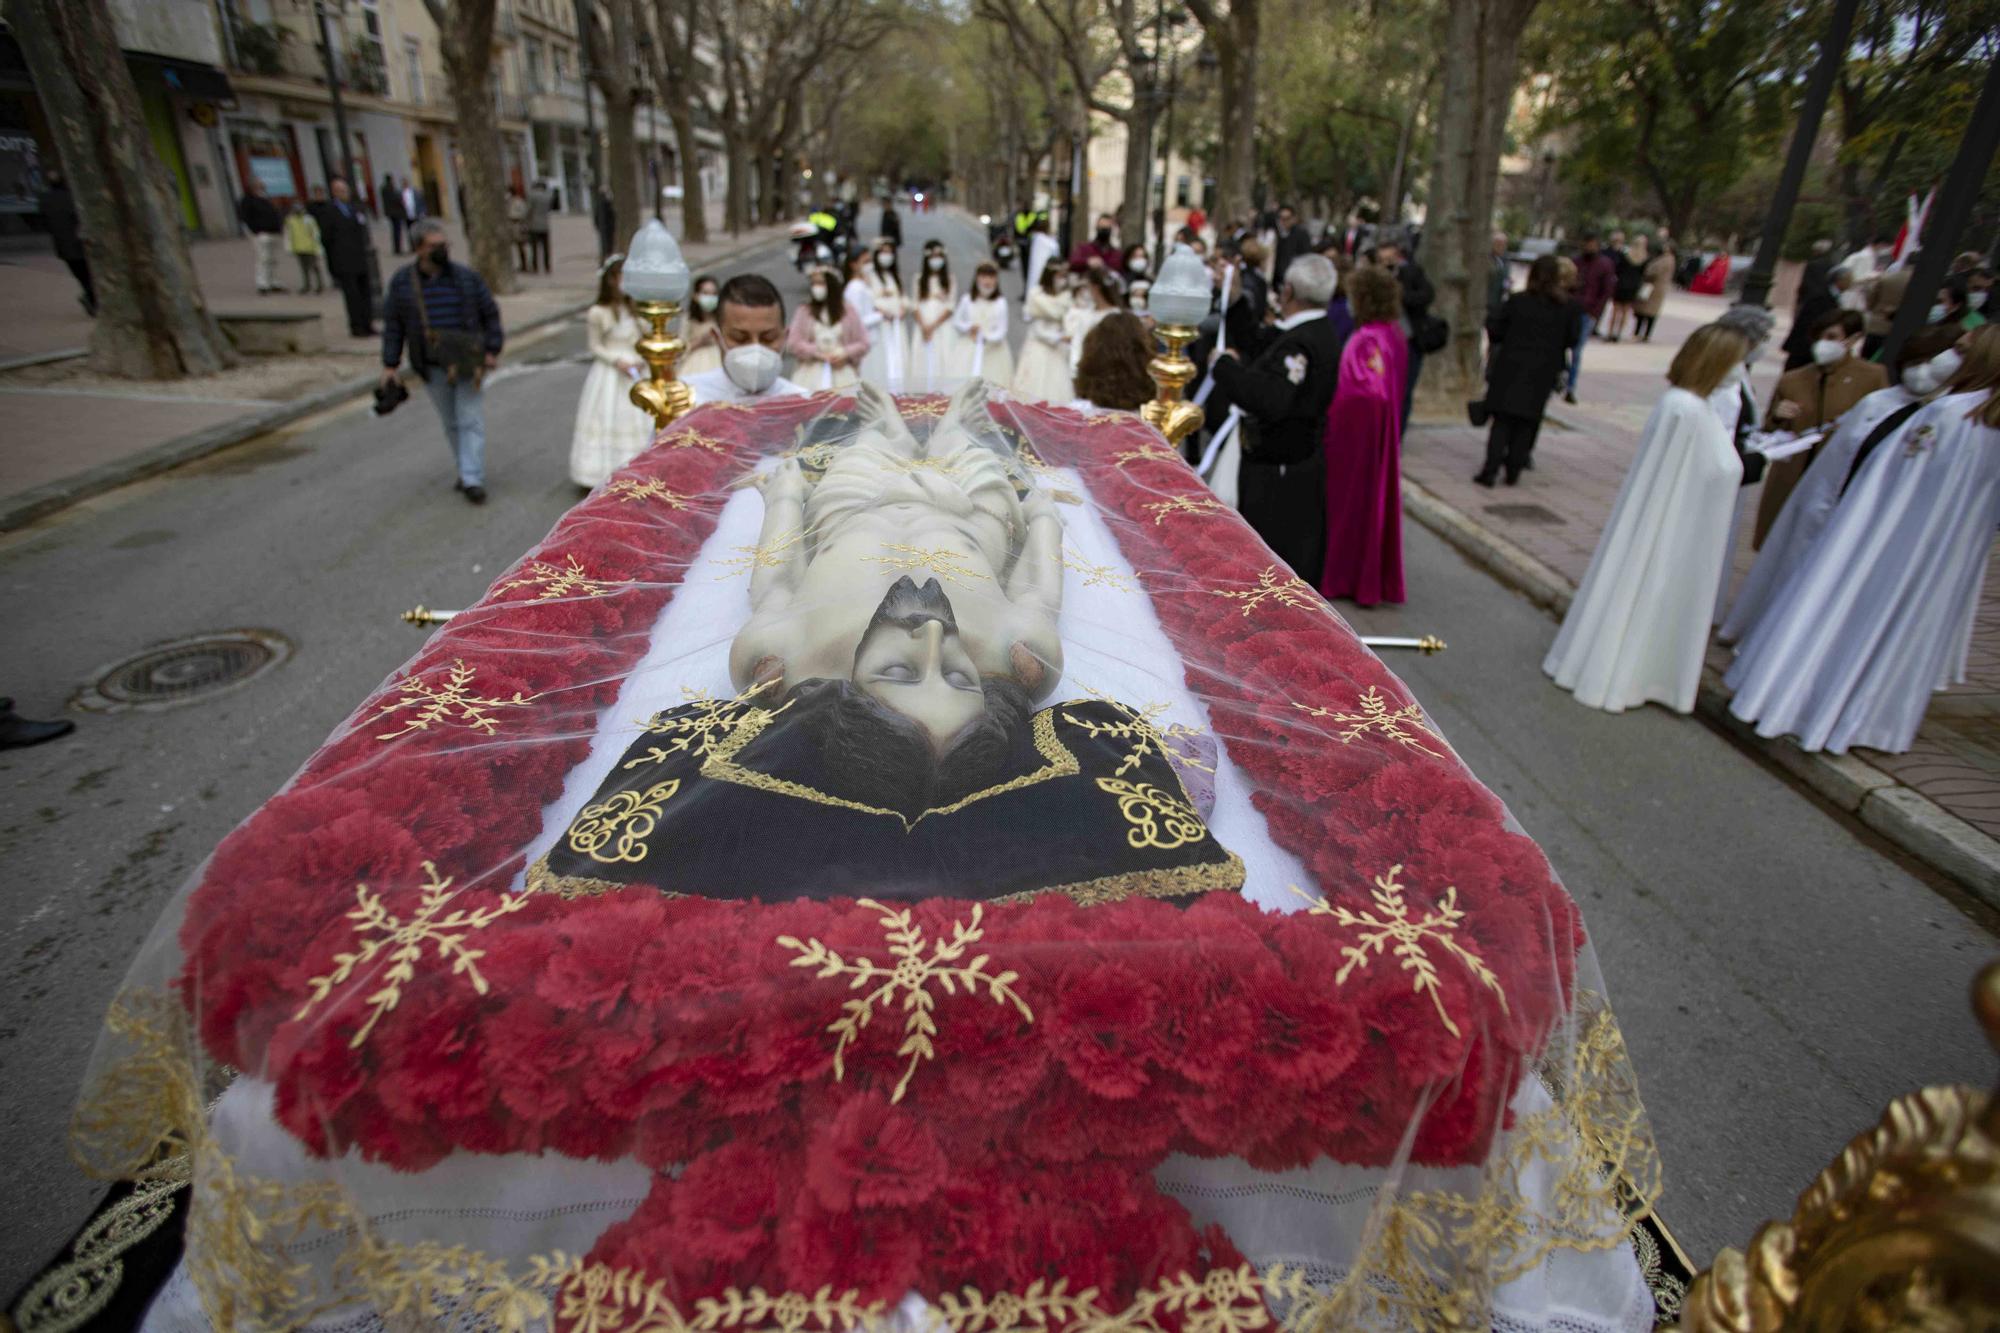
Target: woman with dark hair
826 337
702 332
981 325
1111 373
932 339
1363 444
1138 267
1042 375
1338 313
1096 295
1530 337
610 429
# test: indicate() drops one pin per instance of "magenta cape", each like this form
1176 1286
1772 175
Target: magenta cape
1364 469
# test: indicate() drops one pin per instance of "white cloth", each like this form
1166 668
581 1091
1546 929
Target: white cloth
704 340
1729 400
1082 318
1810 505
981 351
1638 626
266 247
1875 617
932 358
1298 317
1042 248
859 297
1043 374
715 386
611 430
889 336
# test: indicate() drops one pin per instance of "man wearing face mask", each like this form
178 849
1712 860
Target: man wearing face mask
1953 308
1812 396
750 326
451 324
1101 246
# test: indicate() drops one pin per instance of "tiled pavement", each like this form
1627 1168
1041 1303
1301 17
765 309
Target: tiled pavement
1557 510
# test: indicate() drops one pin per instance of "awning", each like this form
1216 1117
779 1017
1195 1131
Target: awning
187 78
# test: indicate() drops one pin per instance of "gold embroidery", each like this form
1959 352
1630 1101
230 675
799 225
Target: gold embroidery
696 734
565 580
1920 440
919 409
435 706
911 975
1438 925
768 555
689 438
1291 590
627 816
1157 819
1141 727
628 490
74 1292
1145 452
372 920
722 766
1096 576
1376 717
1165 882
1162 510
948 467
944 564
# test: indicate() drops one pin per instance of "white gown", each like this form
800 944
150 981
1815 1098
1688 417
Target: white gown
982 351
610 430
859 297
1078 324
1808 508
931 359
889 336
1043 373
704 348
1638 627
1873 620
1728 402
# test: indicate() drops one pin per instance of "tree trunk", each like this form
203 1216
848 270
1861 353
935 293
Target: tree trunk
1482 42
152 322
1134 212
613 72
465 47
1234 36
694 204
1392 201
738 209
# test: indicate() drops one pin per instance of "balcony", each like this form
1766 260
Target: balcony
510 106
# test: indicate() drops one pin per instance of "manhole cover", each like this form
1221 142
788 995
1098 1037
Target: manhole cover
1525 513
185 670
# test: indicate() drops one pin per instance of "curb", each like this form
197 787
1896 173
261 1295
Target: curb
1912 821
18 511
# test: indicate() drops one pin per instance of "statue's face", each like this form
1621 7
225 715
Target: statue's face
912 660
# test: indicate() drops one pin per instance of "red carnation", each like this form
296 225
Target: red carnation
1100 1027
873 1155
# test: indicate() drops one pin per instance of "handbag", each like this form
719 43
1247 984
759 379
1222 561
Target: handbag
462 355
1645 292
1431 333
1477 412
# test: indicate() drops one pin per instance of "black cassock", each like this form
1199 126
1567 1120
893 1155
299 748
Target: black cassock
726 799
1284 393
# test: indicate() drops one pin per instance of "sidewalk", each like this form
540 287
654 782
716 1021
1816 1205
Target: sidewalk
66 423
1553 518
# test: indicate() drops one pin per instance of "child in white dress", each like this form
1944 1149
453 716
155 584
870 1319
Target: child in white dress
703 333
826 339
888 353
1043 374
610 429
933 341
981 322
1095 297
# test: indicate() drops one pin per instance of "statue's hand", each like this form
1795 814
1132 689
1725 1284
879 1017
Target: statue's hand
787 481
1037 504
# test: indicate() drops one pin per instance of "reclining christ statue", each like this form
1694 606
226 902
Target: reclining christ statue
885 738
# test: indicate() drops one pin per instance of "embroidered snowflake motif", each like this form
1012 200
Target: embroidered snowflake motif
768 555
628 490
713 720
1162 510
1157 452
1289 590
568 579
686 438
1920 440
940 562
910 975
1406 726
919 409
449 705
1141 728
1096 576
1408 935
405 941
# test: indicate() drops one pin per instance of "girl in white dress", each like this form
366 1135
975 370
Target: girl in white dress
826 337
702 335
1638 627
859 297
1095 297
933 341
891 345
1043 373
981 322
610 429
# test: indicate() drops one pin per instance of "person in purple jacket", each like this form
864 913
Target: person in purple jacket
1596 277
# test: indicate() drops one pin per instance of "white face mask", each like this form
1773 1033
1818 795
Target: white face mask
1139 302
1137 263
752 369
1946 364
1827 351
818 292
1920 379
707 300
1937 313
1977 300
885 262
935 263
986 290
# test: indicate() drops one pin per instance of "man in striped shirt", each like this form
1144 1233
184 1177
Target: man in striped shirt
456 308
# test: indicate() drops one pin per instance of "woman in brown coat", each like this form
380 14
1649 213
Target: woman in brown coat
1654 280
1815 395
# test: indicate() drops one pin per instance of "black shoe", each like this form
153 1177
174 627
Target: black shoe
1569 396
458 485
1527 465
476 494
19 732
1513 475
1484 477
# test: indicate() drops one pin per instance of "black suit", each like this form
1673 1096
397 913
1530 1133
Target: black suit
1281 488
1531 337
345 238
1289 247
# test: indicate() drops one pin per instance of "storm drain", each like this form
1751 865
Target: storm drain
1525 513
185 670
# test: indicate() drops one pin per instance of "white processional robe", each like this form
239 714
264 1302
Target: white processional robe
1809 507
1872 622
1729 401
1638 626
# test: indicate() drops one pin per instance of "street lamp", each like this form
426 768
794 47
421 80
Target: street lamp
656 278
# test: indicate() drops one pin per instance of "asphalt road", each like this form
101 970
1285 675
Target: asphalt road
1778 978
